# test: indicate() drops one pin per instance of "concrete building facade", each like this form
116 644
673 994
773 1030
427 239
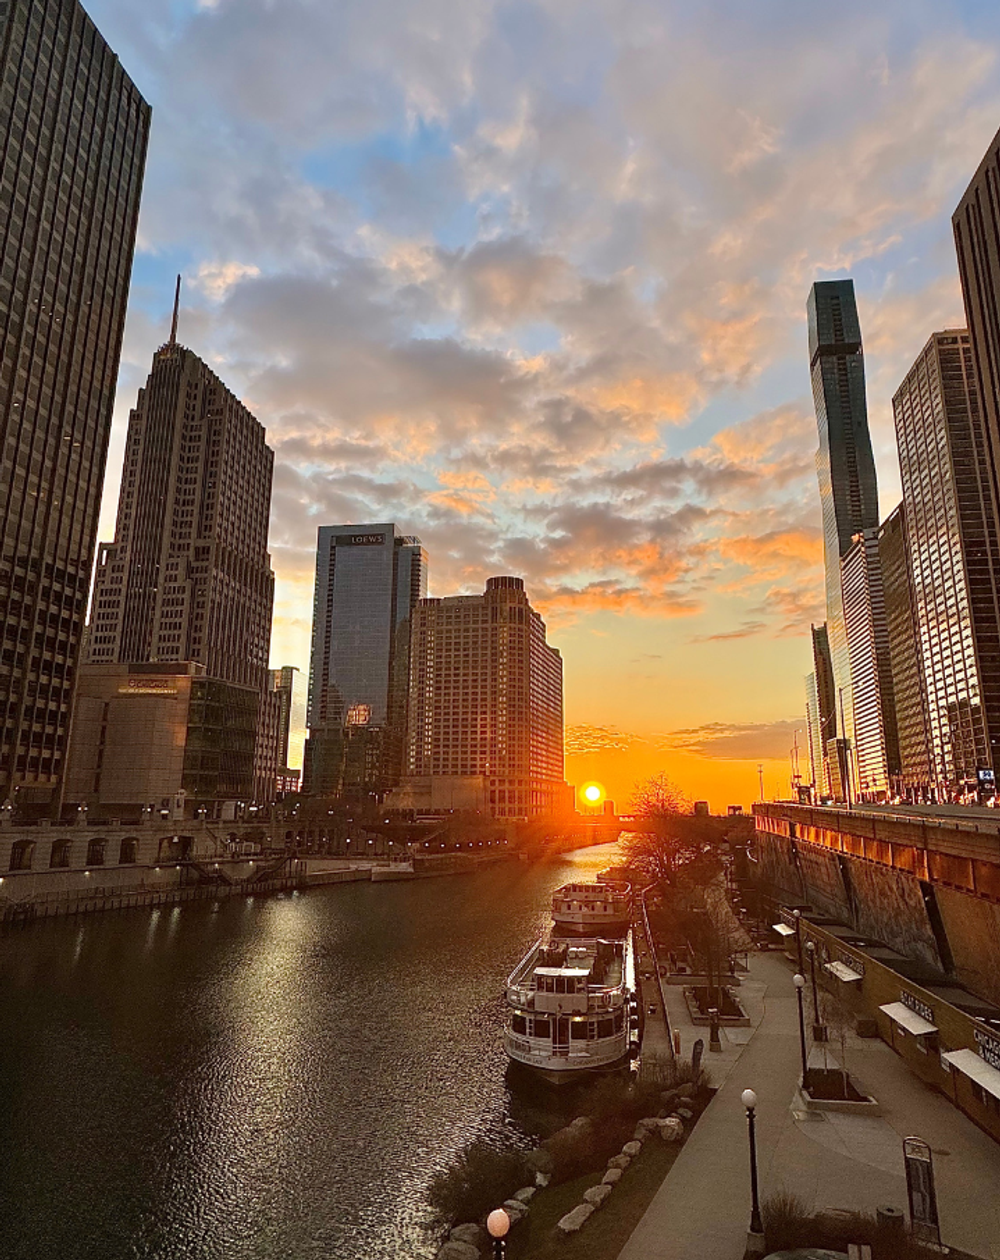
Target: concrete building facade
73 143
485 727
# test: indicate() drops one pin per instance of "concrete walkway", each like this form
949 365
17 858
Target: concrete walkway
828 1161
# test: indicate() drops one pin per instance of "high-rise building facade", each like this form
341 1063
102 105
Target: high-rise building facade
368 581
823 720
908 687
73 136
976 224
876 744
485 725
947 470
845 464
188 576
290 687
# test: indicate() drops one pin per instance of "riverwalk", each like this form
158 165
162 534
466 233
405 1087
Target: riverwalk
828 1161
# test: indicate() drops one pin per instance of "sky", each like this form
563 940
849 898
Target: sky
529 279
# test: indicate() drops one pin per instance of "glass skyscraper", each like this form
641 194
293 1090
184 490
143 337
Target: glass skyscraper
845 464
72 152
946 471
368 580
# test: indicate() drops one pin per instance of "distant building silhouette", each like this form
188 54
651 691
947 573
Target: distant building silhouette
485 728
368 580
72 152
951 524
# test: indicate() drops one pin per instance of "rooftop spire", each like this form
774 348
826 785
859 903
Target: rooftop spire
173 322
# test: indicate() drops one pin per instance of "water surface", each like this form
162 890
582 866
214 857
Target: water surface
266 1077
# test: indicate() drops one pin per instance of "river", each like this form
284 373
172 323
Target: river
263 1077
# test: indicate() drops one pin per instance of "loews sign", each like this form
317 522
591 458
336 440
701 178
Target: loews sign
367 540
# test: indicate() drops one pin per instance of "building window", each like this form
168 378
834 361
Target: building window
20 855
129 851
59 857
95 853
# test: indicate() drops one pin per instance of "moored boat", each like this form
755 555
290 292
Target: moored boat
568 1006
598 909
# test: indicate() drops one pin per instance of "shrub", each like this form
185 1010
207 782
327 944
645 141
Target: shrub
479 1179
787 1225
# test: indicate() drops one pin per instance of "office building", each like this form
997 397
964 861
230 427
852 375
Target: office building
845 464
188 576
818 778
73 135
821 711
281 734
368 580
163 736
946 472
908 687
290 688
485 728
876 744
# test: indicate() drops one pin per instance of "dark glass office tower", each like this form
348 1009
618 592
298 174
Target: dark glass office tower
845 464
73 134
946 472
822 705
368 580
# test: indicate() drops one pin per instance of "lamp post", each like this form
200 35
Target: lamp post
497 1225
797 916
800 983
819 1032
749 1099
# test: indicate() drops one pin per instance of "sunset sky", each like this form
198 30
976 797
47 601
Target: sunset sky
529 279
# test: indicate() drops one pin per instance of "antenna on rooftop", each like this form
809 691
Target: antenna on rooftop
173 322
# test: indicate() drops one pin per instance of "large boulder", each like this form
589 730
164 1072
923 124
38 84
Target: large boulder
576 1219
515 1209
612 1177
458 1251
525 1195
540 1160
597 1194
632 1149
685 1112
619 1161
671 1130
686 1091
542 1179
474 1235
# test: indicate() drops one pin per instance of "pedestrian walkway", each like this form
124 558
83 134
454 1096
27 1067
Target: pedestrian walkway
846 1162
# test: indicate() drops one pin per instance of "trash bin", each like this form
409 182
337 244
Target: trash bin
888 1217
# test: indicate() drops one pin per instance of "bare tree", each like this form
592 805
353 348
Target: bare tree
666 836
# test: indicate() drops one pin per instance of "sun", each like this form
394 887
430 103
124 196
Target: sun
593 793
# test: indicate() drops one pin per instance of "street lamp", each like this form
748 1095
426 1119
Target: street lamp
800 983
797 916
818 1035
749 1099
497 1225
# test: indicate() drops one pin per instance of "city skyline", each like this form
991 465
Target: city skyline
646 465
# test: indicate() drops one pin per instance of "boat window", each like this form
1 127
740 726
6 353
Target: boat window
619 1021
560 984
520 1025
605 1028
578 1030
543 1028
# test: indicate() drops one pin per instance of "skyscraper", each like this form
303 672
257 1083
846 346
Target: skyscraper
72 152
845 464
485 728
908 686
977 242
947 470
876 743
188 576
368 580
821 709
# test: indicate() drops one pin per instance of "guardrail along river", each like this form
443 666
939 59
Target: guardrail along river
274 1077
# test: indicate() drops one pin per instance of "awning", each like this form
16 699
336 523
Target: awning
783 929
971 1065
843 972
910 1020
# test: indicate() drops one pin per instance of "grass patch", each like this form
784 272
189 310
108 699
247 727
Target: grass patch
609 1228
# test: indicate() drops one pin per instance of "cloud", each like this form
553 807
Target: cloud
730 741
584 739
745 631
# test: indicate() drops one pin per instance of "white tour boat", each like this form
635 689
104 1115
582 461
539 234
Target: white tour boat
600 909
569 1004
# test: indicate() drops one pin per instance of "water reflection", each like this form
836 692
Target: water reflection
265 1078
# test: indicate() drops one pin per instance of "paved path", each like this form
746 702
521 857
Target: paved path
703 1207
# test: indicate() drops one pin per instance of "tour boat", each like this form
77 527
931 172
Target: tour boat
600 909
568 1007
